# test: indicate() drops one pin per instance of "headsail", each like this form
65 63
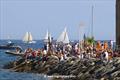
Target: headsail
30 37
63 37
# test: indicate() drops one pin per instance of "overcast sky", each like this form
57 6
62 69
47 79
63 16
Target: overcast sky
36 16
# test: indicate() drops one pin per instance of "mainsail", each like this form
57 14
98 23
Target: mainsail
28 38
47 37
63 37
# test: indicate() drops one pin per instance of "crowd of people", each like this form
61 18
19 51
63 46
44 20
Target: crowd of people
65 51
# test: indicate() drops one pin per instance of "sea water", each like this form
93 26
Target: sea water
6 74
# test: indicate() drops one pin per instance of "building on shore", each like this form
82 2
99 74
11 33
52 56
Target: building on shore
118 23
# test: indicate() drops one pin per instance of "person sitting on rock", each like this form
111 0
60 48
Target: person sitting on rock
102 56
110 56
65 56
39 55
18 50
106 55
45 52
38 52
58 54
81 55
61 57
28 53
33 54
44 58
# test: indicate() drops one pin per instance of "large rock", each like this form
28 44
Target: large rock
84 69
116 74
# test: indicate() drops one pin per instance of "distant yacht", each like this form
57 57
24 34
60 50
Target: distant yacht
47 37
9 41
10 45
63 37
28 38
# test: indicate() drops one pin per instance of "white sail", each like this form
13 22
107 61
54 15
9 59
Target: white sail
28 38
66 39
50 37
25 39
63 37
47 37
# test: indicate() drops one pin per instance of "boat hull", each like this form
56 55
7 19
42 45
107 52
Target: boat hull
14 53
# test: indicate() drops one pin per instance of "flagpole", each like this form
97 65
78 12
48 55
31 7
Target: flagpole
92 22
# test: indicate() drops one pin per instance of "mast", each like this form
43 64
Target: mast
47 37
92 37
28 37
92 22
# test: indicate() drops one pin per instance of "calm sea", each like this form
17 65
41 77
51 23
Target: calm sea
5 58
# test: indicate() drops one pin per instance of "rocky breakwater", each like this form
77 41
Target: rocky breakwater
84 69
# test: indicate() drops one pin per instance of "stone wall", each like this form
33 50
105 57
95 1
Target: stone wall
118 22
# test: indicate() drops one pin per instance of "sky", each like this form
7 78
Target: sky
37 16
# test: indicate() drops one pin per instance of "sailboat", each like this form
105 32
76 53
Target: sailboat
28 38
63 38
9 41
47 37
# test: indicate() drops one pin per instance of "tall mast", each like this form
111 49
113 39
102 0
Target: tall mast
92 21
